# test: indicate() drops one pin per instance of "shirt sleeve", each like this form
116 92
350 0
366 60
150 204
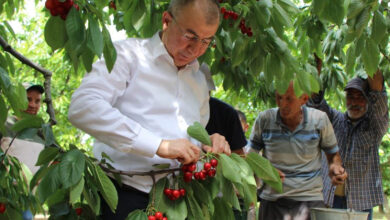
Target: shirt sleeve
379 115
92 109
328 142
256 140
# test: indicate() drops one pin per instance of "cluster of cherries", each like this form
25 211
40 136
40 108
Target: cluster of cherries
208 170
229 14
60 8
112 5
174 194
244 29
157 216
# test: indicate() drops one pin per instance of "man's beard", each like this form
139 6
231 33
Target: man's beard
351 110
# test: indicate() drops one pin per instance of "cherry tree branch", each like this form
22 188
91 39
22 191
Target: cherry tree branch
46 74
151 173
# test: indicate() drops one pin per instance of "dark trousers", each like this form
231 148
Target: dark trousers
287 209
129 199
340 202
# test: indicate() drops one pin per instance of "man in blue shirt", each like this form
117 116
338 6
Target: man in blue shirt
292 137
359 132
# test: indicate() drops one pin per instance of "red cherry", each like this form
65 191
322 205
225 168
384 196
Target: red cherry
184 168
187 177
76 6
202 176
249 33
151 217
49 4
167 192
54 12
158 215
226 16
235 16
182 192
214 162
192 167
165 218
211 173
112 5
176 194
207 166
2 207
223 10
196 175
79 211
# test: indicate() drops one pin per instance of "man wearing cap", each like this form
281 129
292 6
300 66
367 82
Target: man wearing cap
26 149
359 132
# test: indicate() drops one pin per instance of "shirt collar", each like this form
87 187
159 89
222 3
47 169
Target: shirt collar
158 49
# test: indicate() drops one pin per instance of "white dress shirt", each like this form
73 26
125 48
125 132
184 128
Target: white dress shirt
143 100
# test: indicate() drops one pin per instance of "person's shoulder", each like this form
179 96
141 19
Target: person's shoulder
269 114
313 112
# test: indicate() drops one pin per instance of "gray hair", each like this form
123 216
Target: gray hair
211 8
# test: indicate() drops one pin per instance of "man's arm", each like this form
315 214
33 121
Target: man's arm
336 170
376 82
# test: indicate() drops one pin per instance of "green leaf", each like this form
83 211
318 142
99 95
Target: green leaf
281 15
49 184
137 215
162 166
72 168
47 155
194 209
58 196
229 168
49 136
92 197
109 51
362 21
139 15
354 8
229 194
351 59
264 170
238 51
55 32
31 121
158 192
87 57
370 56
378 27
107 189
198 132
318 6
3 111
222 210
75 29
314 85
202 195
75 191
95 40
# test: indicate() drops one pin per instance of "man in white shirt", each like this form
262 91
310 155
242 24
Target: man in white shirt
139 113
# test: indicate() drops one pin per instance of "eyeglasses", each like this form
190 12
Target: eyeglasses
193 37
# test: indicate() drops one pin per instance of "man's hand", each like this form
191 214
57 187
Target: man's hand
376 82
281 175
220 145
337 174
181 149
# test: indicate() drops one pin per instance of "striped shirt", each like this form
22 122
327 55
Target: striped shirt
296 153
359 143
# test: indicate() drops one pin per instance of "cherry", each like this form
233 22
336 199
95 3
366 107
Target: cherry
197 175
192 167
158 215
184 168
182 192
112 5
2 207
211 173
187 177
151 217
223 10
202 175
176 194
167 192
207 166
79 211
165 218
214 162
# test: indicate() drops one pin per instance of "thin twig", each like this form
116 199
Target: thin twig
131 174
46 74
385 55
9 146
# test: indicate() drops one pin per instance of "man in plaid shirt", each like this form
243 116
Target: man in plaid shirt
359 132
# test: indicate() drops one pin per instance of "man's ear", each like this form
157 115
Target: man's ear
304 98
166 19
